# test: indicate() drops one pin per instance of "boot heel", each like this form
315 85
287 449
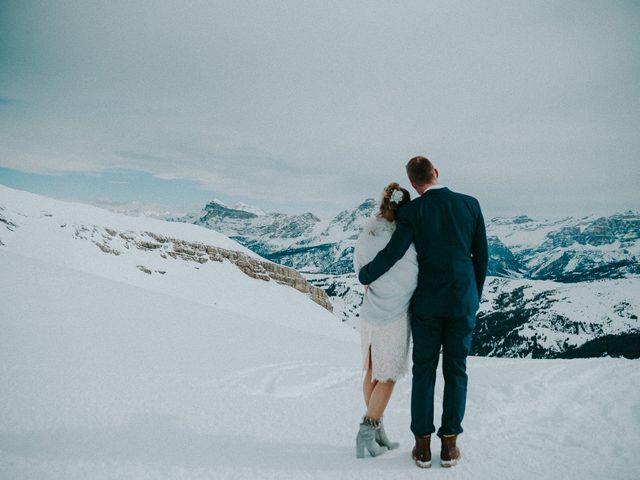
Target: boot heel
359 450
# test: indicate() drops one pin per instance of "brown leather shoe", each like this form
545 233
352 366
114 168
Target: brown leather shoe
421 453
449 453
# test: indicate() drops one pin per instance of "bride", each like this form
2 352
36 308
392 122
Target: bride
384 322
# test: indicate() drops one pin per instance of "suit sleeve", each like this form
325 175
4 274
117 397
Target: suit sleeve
394 251
480 253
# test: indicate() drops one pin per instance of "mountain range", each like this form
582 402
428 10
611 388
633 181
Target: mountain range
589 261
565 287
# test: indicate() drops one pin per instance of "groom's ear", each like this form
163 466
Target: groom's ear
435 172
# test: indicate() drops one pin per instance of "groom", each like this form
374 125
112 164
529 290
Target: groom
448 231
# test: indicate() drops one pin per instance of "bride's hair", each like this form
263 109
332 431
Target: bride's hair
389 208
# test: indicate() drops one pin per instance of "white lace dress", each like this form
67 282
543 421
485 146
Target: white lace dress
384 321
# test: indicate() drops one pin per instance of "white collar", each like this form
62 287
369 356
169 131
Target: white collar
434 187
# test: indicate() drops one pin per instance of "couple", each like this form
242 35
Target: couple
423 263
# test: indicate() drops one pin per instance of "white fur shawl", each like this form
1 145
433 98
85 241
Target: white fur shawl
389 296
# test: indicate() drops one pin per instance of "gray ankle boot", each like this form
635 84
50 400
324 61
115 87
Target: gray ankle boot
383 440
366 438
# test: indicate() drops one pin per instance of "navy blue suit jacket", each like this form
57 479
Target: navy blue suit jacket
448 231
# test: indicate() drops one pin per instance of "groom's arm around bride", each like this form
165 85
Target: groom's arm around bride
449 234
394 251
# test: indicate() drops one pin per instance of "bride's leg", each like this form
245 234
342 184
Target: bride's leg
371 435
367 387
379 399
377 394
367 384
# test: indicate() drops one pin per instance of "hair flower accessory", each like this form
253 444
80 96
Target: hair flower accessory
397 196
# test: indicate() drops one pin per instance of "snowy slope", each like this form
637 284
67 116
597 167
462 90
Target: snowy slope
519 317
545 319
345 291
102 379
135 250
29 211
568 249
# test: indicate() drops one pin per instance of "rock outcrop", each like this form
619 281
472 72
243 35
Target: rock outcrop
111 241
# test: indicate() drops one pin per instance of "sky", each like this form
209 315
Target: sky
531 106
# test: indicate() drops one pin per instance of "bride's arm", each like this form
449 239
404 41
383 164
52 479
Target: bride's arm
357 265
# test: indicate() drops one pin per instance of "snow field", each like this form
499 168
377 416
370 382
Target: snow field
107 372
102 379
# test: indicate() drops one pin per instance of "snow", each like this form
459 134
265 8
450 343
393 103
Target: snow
347 294
590 302
30 211
102 379
571 313
139 209
219 202
108 372
519 236
249 208
40 236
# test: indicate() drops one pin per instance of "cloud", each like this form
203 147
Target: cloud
517 103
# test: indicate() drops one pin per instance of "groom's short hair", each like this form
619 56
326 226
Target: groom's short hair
420 170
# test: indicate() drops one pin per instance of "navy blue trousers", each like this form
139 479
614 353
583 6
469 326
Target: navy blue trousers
429 334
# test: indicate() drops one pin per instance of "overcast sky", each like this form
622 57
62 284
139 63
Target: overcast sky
532 106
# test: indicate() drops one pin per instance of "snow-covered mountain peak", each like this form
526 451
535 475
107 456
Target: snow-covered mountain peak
511 220
249 208
349 222
219 202
217 205
220 210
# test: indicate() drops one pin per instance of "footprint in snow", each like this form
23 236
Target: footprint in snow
290 379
